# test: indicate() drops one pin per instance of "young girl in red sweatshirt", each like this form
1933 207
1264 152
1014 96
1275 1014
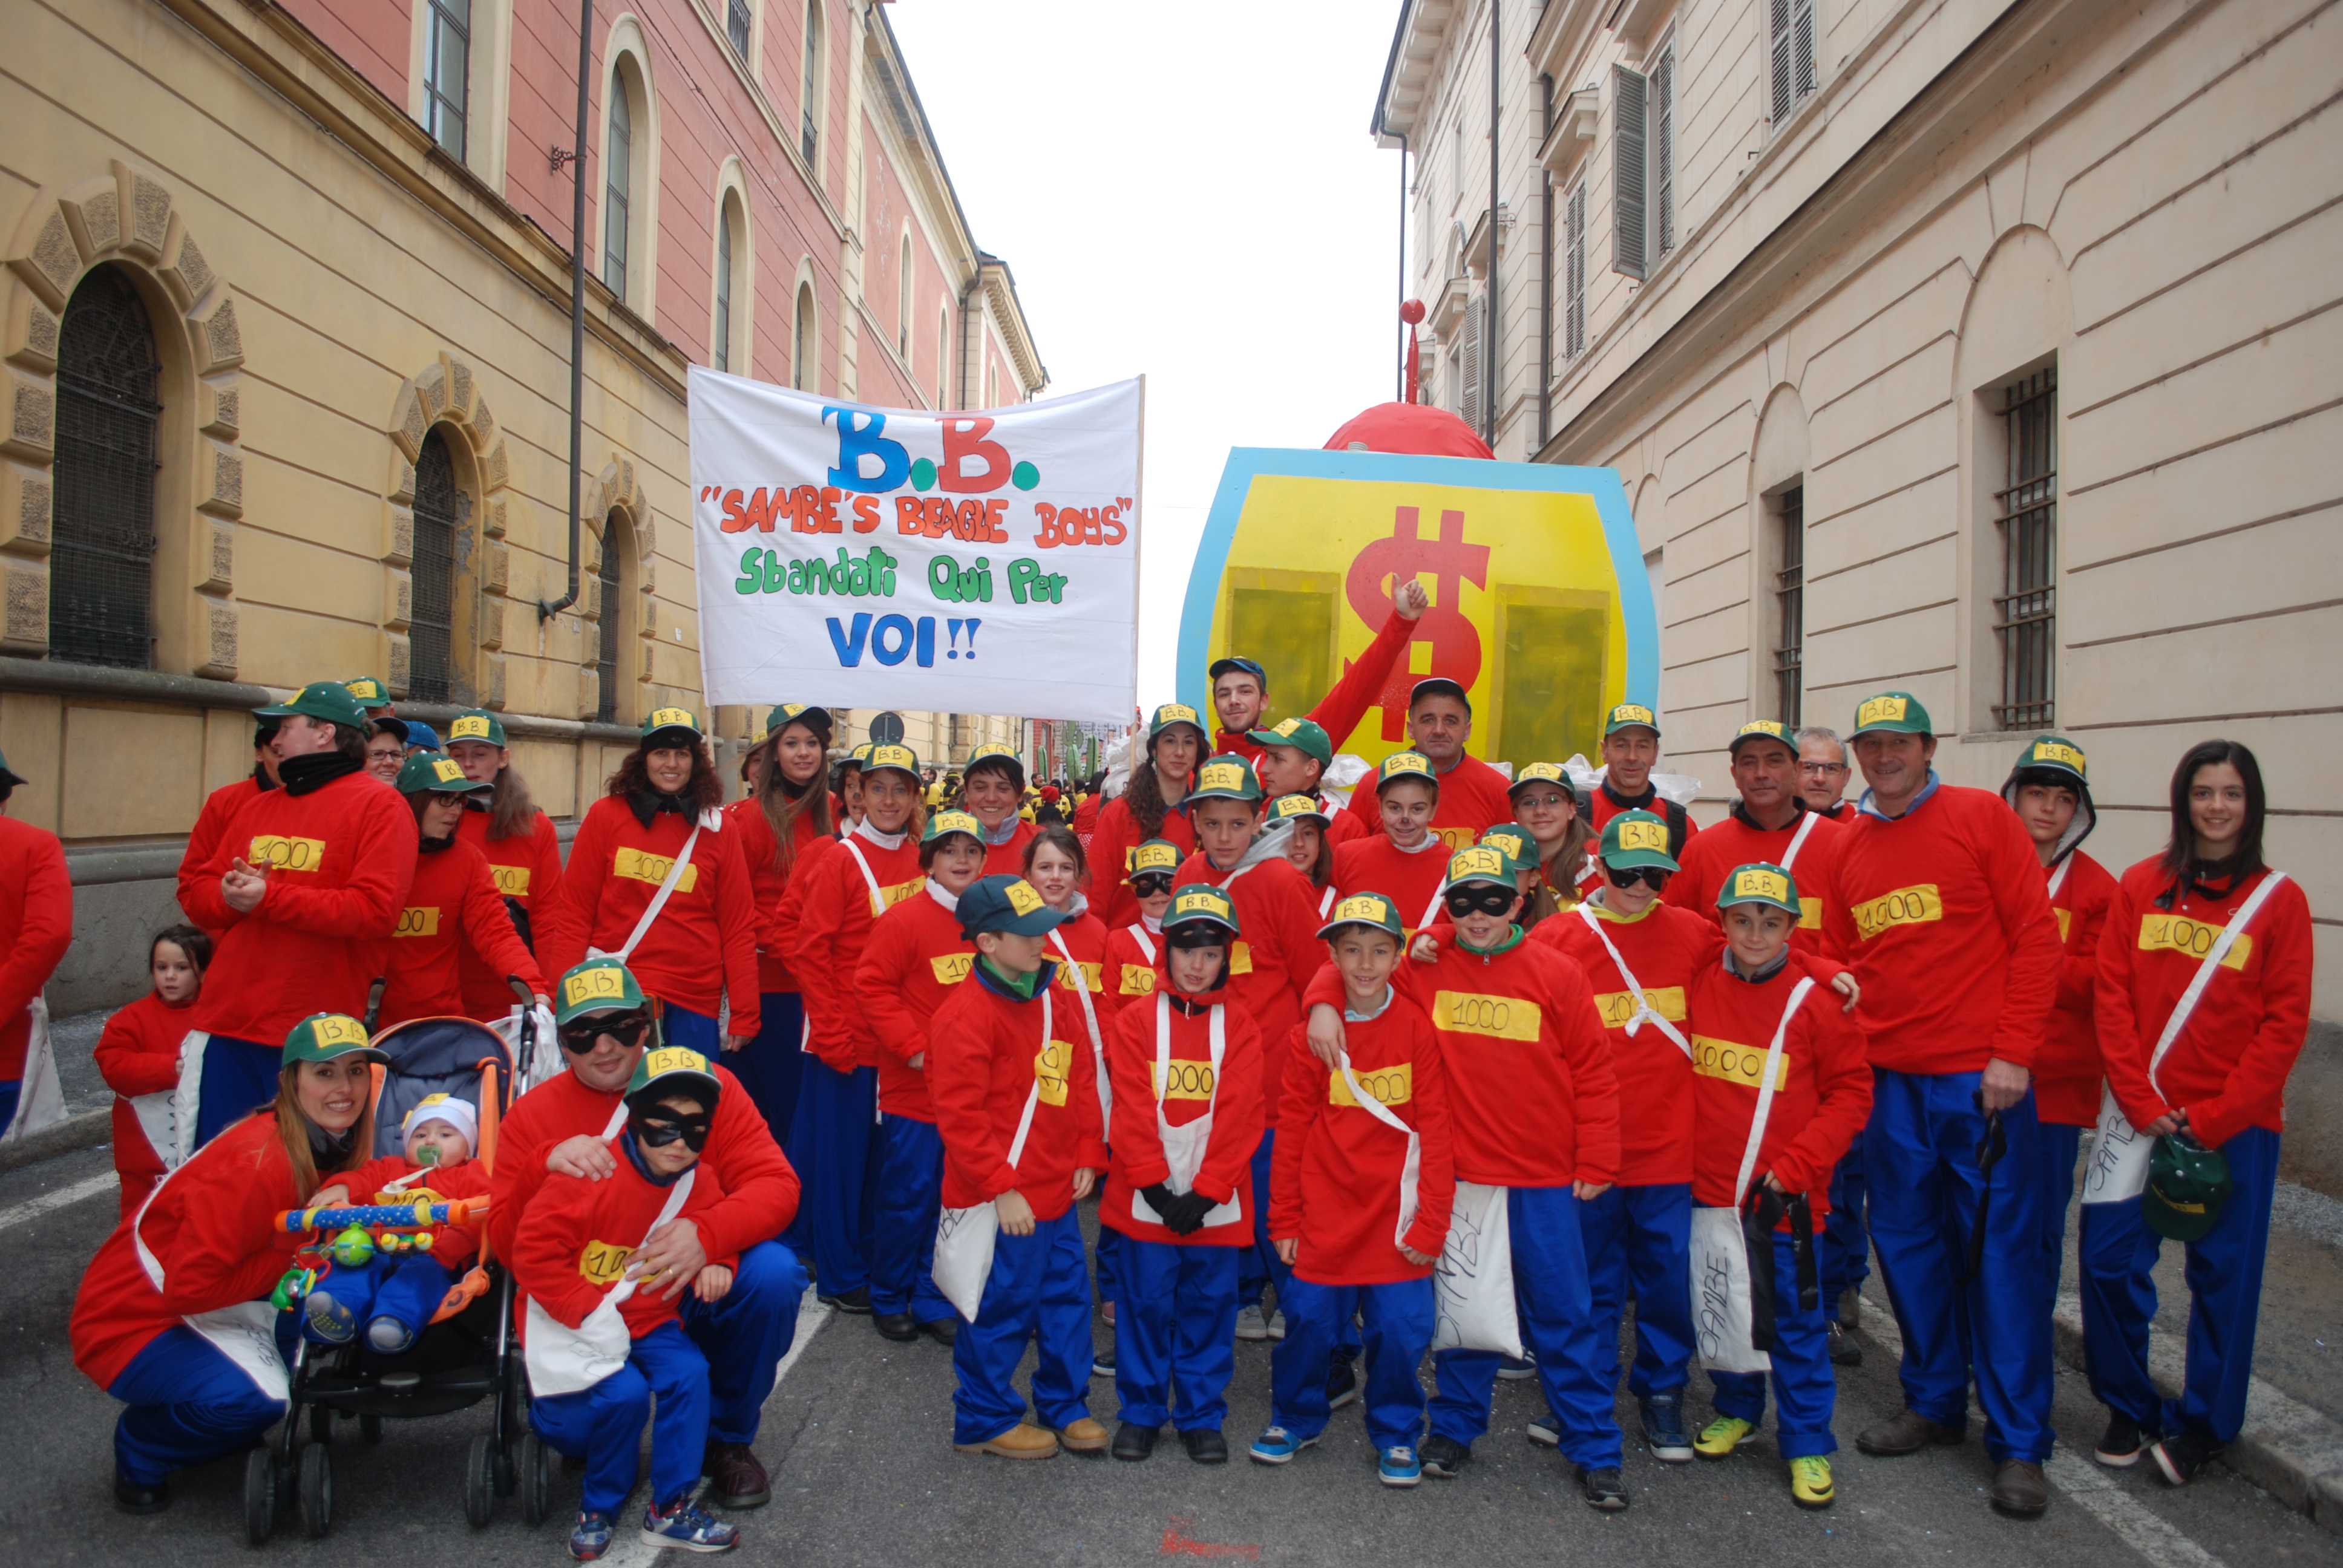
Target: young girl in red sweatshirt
991 785
1153 805
786 815
1053 863
1405 860
1187 1071
453 908
138 1056
516 838
1308 843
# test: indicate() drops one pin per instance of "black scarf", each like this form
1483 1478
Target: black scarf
307 774
260 775
330 1149
1640 803
1741 813
647 804
2214 880
433 846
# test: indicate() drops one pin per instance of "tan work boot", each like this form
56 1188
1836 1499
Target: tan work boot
1023 1441
1085 1437
2019 1491
1906 1431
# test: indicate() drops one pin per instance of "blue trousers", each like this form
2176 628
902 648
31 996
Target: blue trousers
744 1337
8 1095
1106 1264
903 1221
834 1145
1919 1155
2061 1146
1039 1293
603 1425
1558 1318
403 1291
692 1030
1260 1268
770 1066
1804 1392
1640 1238
1399 1318
1844 1256
1175 1331
239 1078
188 1404
2224 1273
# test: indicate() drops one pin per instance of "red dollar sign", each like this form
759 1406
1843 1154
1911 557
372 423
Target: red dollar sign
1447 561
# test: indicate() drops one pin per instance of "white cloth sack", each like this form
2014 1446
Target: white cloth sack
563 1360
1721 1312
965 1238
1474 1282
545 1061
40 1097
1184 1145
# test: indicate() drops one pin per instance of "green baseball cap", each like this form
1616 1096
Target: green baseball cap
1891 713
1762 729
8 777
1304 734
329 1037
436 773
1364 910
1005 903
857 757
599 985
371 690
1000 758
1543 773
1517 843
1480 863
893 759
944 822
667 1069
1227 777
2056 754
1156 856
329 700
2187 1183
679 718
1402 765
1200 903
780 718
1169 714
476 723
1287 808
1760 882
1635 838
1629 715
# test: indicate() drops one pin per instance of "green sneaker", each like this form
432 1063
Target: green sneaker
1720 1437
1810 1483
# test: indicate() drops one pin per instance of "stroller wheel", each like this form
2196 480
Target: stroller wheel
480 1482
370 1428
317 1492
536 1481
259 1496
321 1423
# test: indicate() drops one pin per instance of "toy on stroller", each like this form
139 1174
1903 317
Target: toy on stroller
466 1353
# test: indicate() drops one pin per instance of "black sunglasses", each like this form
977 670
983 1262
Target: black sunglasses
1152 885
1487 900
1652 877
658 1133
580 1035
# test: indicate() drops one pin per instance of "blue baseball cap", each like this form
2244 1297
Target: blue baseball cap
1006 903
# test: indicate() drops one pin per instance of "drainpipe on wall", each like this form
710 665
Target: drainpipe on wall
548 608
965 296
1405 331
1545 268
1493 344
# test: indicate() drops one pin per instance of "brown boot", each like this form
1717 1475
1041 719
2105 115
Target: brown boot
1908 1431
1084 1437
2019 1491
737 1478
1023 1441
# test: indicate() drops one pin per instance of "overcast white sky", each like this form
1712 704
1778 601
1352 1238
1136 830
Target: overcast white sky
1188 192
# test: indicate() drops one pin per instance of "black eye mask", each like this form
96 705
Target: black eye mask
655 1127
1487 900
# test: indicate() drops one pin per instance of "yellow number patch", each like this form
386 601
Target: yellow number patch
1050 1070
2065 922
950 969
900 891
2179 934
1240 959
1810 912
1498 1017
1618 1005
512 881
603 1261
275 852
1452 839
1138 979
417 922
1912 905
1184 1081
1392 1085
587 984
1091 974
1732 1062
637 866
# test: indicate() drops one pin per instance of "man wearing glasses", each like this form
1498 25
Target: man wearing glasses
1822 773
567 1124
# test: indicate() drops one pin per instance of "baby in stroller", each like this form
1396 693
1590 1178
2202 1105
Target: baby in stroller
394 1294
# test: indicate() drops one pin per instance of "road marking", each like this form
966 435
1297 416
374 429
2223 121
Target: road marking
34 1208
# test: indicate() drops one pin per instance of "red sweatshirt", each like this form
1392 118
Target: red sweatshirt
1711 854
35 930
1942 917
1472 800
760 1191
770 885
453 912
990 1052
833 919
1008 859
1085 940
211 825
527 870
344 857
1410 879
914 959
1134 962
139 1054
1665 947
1188 1091
2228 1068
2068 1074
1270 965
1110 852
452 1246
1334 1177
212 1230
703 947
1362 686
1531 1096
1822 1093
581 1233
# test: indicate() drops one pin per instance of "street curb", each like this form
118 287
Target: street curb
86 1131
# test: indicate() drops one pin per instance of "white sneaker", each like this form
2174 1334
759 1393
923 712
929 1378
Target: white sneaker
1250 1324
1277 1324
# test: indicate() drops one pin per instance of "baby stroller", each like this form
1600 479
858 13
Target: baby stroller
468 1352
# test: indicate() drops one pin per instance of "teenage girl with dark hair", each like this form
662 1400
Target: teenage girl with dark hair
1153 806
783 823
523 852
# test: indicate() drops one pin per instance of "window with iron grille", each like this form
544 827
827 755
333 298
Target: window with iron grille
736 25
721 357
808 137
447 68
1790 602
431 615
606 658
1573 315
2026 609
1664 149
618 175
101 527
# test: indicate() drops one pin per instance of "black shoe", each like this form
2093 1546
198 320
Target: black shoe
1102 1361
2124 1442
1133 1441
2178 1458
856 1301
1844 1351
1444 1456
945 1331
1341 1386
896 1326
133 1497
1205 1445
1605 1490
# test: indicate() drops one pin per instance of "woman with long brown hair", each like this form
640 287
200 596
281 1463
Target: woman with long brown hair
784 823
1545 804
1153 806
517 840
173 1318
657 881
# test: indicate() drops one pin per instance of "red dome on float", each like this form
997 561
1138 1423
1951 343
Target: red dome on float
1411 427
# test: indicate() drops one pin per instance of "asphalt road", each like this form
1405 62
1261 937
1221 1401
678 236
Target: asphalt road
857 1435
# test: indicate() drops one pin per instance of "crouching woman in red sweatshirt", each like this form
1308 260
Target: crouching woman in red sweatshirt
173 1318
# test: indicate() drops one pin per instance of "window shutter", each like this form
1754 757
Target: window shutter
1574 331
1627 92
1783 101
1663 147
1802 47
1471 399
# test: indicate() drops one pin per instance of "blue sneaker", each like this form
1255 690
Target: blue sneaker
1663 1429
1399 1467
685 1526
328 1321
1277 1446
1546 1431
1514 1369
1341 1386
591 1537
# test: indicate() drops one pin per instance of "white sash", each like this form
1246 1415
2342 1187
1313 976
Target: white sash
2119 1155
878 899
1090 1017
1806 826
1409 1171
1326 903
246 1333
1719 1254
563 1360
1184 1145
708 819
1643 1009
1138 930
2058 876
965 1238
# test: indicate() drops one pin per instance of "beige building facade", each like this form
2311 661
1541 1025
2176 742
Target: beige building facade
1984 351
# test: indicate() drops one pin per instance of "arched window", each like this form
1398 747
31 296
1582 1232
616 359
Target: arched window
617 176
606 660
102 534
810 133
431 614
447 71
802 348
903 302
720 351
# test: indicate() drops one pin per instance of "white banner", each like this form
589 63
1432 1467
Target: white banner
891 558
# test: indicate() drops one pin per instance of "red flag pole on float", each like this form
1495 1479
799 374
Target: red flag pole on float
1412 313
